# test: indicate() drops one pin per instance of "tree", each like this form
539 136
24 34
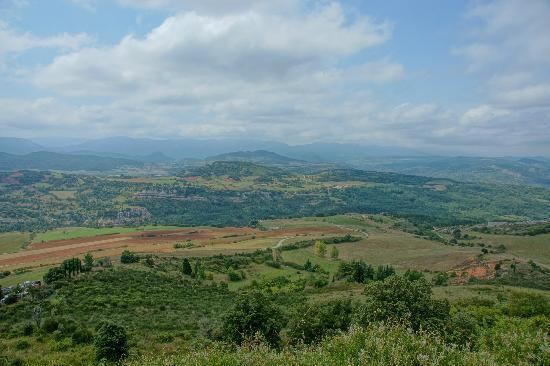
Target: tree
334 252
383 272
253 314
399 299
186 267
320 248
54 274
198 271
310 323
88 262
111 342
457 234
128 257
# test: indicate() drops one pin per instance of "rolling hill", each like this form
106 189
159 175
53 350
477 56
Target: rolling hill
44 160
257 157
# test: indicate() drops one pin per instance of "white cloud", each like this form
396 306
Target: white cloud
482 115
12 41
510 51
248 47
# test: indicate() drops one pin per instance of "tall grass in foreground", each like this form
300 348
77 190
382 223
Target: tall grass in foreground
377 344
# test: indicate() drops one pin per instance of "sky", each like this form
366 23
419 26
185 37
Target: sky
453 76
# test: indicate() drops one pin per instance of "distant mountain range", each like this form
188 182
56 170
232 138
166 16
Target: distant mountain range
46 160
258 157
201 149
12 145
507 170
116 152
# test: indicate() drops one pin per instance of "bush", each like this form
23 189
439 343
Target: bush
22 345
311 323
49 325
441 279
254 314
233 276
128 257
400 300
273 264
54 274
82 336
462 330
111 342
527 305
28 329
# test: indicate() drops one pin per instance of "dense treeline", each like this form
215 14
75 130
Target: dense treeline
30 201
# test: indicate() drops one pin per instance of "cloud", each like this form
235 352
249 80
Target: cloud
248 47
12 41
482 115
295 71
510 51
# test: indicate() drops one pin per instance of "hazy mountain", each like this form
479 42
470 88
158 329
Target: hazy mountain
177 149
507 170
13 145
46 160
257 157
199 149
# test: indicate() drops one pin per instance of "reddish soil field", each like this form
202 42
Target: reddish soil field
205 240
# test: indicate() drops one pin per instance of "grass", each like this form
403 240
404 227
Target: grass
300 256
406 251
13 242
31 274
64 195
86 232
484 293
536 247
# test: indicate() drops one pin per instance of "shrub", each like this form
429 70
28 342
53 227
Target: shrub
233 276
49 325
21 345
311 323
462 330
111 342
54 274
273 264
254 314
398 299
82 336
441 279
527 304
128 257
186 267
28 329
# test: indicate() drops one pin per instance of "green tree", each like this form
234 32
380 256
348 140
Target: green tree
198 271
398 299
128 257
320 248
310 323
88 262
462 330
254 314
111 342
334 252
54 274
457 234
186 267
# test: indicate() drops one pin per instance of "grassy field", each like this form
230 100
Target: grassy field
13 242
86 232
536 247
